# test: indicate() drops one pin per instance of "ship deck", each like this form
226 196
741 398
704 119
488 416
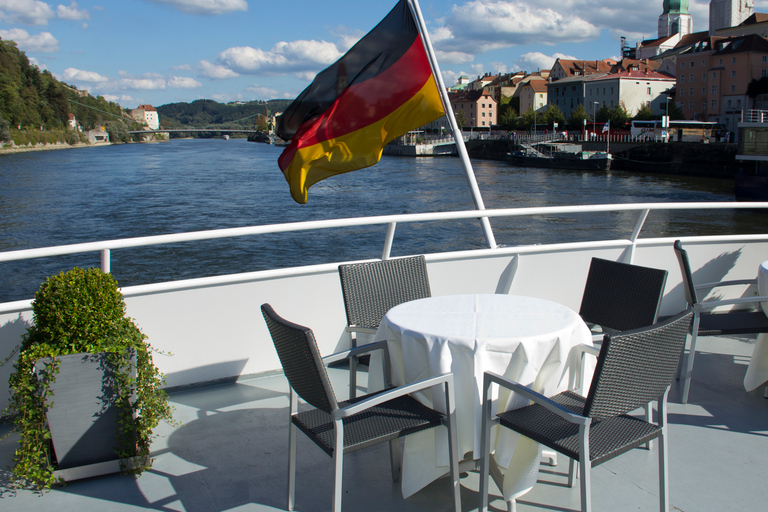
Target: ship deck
229 452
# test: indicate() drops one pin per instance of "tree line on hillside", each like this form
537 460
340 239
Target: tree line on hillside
209 113
33 101
35 107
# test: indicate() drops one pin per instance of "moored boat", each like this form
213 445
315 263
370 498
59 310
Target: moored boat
556 155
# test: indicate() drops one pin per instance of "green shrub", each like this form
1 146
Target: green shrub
75 312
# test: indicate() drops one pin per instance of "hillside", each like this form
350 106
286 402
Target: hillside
35 107
31 98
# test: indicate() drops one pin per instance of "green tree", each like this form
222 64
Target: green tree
531 119
553 115
507 117
117 131
644 113
577 118
619 117
460 119
5 133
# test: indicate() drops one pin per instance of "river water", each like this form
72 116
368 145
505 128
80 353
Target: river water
80 195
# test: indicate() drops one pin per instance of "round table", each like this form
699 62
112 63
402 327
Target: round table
525 339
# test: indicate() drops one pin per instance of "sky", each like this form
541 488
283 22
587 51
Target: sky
164 51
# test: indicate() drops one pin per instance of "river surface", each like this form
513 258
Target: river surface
62 197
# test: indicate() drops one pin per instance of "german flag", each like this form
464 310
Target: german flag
382 88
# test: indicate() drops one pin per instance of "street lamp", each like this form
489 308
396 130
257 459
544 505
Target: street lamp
594 118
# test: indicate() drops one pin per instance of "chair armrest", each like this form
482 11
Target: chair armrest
567 415
717 284
706 305
385 396
364 330
354 351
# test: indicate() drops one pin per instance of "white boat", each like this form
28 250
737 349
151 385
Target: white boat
224 376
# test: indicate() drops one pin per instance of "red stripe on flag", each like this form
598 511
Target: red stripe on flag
365 103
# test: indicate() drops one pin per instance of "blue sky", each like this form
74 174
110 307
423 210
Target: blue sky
164 51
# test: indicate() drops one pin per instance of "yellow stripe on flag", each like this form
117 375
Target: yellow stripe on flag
361 148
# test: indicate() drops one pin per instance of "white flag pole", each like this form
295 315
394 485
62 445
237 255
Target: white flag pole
457 135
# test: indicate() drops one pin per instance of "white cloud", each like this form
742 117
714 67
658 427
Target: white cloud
145 82
205 7
535 61
453 57
482 25
263 93
215 71
183 82
43 42
285 57
78 75
73 12
25 12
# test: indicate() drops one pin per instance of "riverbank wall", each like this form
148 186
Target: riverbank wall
13 149
716 160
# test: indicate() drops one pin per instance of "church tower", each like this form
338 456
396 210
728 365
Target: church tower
675 19
728 13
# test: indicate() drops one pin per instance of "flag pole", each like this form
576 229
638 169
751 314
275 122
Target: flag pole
457 135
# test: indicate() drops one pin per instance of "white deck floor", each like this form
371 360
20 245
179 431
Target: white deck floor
230 453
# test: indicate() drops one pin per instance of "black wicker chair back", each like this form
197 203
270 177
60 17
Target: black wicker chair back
685 270
620 296
636 367
373 288
301 360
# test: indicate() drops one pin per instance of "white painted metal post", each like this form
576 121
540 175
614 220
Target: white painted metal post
457 135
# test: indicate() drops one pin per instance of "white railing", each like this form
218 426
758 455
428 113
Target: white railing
391 221
754 116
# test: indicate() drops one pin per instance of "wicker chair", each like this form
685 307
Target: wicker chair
359 422
371 289
708 323
619 296
633 368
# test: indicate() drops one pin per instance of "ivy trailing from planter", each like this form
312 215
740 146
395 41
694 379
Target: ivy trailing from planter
83 311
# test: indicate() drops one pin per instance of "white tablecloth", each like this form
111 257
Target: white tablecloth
525 339
757 371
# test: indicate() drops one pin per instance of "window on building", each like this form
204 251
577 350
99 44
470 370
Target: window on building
649 90
682 79
483 105
682 65
703 77
703 104
733 88
721 62
729 103
703 90
765 58
682 92
611 90
738 103
703 63
691 77
714 75
690 91
483 123
714 103
734 60
733 73
573 88
483 114
714 89
764 72
690 105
